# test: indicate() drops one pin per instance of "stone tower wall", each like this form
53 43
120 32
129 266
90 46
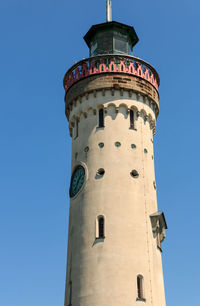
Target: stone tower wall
104 271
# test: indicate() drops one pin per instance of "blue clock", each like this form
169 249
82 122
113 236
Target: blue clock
77 181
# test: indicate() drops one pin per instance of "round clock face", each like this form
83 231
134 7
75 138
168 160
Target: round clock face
77 180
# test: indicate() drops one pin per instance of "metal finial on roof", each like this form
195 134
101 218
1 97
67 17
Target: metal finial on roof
109 11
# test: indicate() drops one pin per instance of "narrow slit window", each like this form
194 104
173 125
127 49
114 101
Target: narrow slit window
76 131
70 293
140 285
101 117
132 119
101 227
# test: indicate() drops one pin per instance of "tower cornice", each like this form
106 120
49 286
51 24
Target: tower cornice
111 63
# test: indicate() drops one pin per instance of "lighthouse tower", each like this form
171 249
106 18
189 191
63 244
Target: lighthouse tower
115 228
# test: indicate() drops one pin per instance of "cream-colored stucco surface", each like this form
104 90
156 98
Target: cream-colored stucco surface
103 272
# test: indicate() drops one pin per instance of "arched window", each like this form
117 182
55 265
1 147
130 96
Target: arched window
101 117
140 287
100 227
132 126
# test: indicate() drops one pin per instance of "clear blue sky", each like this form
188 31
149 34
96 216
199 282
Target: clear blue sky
40 40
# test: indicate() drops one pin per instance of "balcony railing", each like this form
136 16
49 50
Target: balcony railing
111 64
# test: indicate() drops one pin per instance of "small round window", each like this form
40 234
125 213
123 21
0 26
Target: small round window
134 174
86 149
145 151
118 144
100 172
133 146
101 145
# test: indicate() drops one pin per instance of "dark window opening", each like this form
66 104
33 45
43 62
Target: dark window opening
140 289
86 149
101 145
120 45
70 293
134 174
101 172
132 119
101 227
118 144
101 117
76 131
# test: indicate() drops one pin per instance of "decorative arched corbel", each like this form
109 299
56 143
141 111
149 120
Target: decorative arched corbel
138 95
152 105
156 111
95 93
151 124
